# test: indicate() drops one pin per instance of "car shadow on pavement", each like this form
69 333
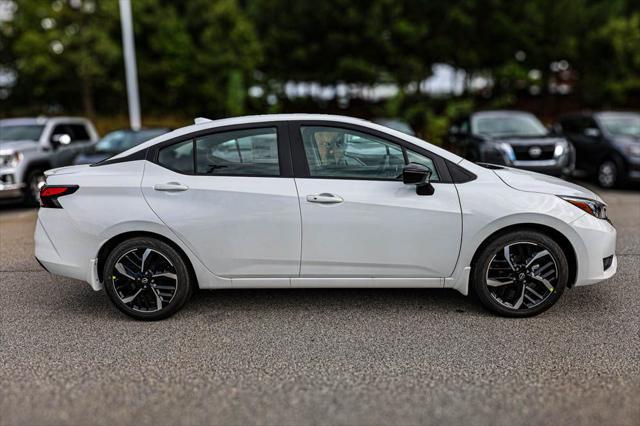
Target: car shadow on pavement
84 302
357 300
78 300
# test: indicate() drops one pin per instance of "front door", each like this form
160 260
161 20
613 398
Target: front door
229 196
360 220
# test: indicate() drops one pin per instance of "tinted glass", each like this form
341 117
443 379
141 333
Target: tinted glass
252 152
508 125
622 125
79 132
21 132
178 157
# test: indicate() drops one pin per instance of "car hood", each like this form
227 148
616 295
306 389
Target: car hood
23 145
527 181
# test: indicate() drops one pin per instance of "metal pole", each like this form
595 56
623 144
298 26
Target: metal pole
131 71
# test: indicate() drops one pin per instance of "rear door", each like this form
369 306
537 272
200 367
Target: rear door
359 219
229 194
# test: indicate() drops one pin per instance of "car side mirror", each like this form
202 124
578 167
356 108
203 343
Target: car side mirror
60 139
592 132
418 175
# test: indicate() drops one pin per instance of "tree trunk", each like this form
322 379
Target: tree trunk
87 98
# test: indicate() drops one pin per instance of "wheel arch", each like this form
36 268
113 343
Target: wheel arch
564 243
112 242
35 165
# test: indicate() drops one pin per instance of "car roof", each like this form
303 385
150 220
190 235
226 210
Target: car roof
267 118
25 121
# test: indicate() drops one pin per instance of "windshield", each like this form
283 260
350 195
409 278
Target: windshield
21 132
120 140
622 125
508 125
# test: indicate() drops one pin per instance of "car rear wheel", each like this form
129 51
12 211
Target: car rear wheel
147 279
34 182
520 274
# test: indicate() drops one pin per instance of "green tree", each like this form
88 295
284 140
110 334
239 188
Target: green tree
63 52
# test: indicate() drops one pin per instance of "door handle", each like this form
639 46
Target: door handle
170 187
324 198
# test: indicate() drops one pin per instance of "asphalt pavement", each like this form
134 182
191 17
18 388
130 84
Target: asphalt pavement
293 357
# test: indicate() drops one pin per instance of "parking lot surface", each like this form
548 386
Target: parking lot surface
383 356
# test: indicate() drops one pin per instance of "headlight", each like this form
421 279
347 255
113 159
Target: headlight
593 207
633 150
560 149
10 159
507 150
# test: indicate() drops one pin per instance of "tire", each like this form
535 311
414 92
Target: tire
34 181
609 173
139 275
509 289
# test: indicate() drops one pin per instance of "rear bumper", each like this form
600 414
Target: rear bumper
49 258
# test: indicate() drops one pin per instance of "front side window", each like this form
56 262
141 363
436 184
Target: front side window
340 153
414 157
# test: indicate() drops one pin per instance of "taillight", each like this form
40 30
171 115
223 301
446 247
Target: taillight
49 194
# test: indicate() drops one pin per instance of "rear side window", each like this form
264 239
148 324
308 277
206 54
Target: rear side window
178 157
251 152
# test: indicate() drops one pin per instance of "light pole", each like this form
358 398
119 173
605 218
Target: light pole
131 71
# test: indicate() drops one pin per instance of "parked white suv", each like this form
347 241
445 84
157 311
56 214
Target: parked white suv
29 146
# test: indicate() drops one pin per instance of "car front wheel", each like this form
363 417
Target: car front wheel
147 279
608 174
520 274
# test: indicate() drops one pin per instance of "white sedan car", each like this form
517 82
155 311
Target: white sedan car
280 201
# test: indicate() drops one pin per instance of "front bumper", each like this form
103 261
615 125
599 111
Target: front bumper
9 186
633 170
598 239
548 167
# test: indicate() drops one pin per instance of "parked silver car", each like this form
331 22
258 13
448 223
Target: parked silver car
29 146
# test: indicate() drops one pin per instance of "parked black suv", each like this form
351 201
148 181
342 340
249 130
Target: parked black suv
607 145
511 138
